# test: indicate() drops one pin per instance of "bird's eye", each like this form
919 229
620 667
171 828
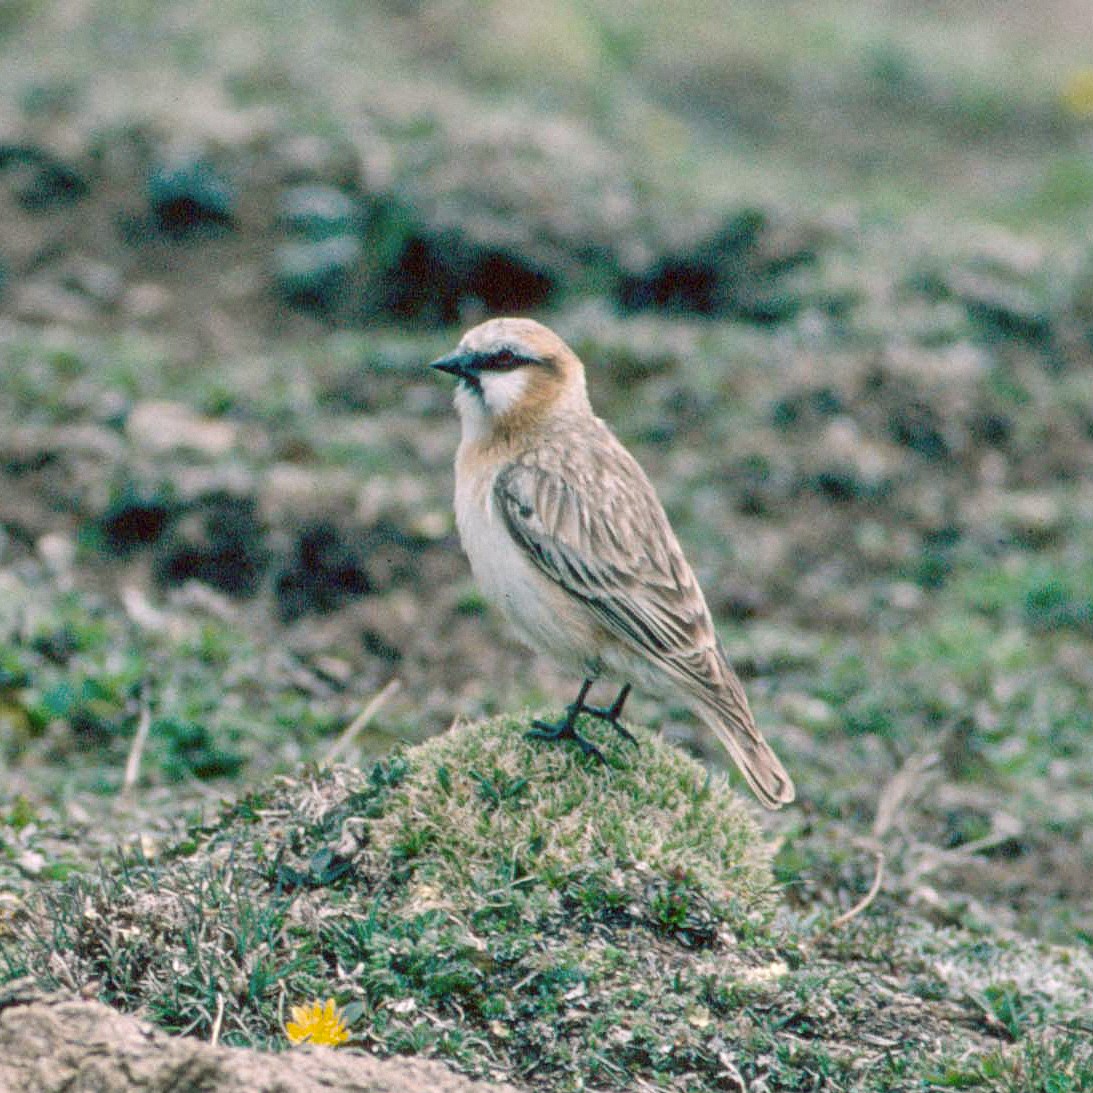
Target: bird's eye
502 360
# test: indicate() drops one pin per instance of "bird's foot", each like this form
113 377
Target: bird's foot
611 713
564 729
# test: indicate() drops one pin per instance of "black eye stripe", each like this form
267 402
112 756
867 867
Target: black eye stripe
503 360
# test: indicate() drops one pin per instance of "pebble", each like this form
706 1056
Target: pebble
48 302
57 551
147 302
1034 517
314 273
161 426
288 489
318 212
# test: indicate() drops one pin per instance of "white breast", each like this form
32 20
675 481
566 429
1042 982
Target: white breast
540 613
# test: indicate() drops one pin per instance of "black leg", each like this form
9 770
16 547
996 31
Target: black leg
611 714
565 728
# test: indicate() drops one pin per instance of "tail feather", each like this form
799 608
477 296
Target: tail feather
728 716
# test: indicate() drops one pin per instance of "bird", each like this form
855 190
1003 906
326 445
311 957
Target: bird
565 534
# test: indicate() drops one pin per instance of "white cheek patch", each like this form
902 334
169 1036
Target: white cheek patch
501 391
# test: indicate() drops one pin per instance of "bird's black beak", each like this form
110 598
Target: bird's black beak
460 365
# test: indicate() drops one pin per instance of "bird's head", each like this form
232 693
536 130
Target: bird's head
512 374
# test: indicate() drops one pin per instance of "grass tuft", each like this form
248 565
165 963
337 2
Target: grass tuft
525 912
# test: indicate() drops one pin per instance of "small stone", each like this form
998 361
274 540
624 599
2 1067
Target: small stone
767 973
905 596
48 302
871 538
993 470
1004 303
31 862
432 525
1036 519
318 212
97 281
311 158
141 610
289 491
161 426
57 550
806 710
335 669
146 302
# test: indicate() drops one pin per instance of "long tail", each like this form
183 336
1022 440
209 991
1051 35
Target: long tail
727 714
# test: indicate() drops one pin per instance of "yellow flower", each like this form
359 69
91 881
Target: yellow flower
317 1023
1077 94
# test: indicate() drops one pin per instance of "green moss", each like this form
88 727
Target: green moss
482 790
189 751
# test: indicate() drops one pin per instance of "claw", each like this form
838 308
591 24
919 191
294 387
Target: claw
564 730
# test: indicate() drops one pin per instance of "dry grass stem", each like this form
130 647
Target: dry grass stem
362 720
867 899
136 749
214 1036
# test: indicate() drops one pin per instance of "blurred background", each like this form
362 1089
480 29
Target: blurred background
829 266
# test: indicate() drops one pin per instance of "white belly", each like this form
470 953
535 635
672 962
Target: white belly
543 616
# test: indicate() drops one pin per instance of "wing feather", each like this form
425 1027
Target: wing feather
620 557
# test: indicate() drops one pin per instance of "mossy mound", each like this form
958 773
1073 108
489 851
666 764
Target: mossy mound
541 830
510 905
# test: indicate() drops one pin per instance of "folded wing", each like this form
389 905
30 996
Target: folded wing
621 559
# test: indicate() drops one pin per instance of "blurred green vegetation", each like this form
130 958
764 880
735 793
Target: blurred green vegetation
951 109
